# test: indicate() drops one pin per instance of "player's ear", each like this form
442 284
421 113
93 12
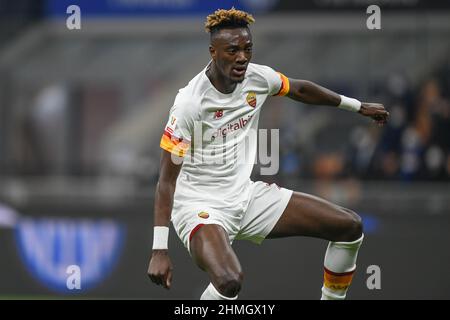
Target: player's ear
212 52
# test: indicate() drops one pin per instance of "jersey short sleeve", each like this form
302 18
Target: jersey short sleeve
277 82
178 131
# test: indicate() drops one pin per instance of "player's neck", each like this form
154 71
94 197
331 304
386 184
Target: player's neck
221 83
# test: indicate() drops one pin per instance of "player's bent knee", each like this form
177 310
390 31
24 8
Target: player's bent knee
229 284
354 226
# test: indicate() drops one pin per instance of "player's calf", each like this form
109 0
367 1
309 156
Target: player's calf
341 255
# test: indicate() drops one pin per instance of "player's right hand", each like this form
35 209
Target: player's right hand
160 268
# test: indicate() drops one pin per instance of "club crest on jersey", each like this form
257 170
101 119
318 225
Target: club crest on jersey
218 114
203 215
251 99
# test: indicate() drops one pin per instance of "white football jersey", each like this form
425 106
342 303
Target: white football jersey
216 133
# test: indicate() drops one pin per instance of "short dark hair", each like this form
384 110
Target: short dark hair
231 18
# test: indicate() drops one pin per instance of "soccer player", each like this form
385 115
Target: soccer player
209 196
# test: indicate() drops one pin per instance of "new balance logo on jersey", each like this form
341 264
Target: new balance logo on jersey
218 114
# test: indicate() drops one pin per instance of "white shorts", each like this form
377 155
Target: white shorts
254 222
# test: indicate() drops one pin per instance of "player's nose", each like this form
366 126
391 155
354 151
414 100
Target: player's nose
241 58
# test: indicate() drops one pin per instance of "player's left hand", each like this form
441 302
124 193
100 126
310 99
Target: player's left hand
376 111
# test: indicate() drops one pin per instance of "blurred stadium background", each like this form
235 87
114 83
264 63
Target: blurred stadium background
82 112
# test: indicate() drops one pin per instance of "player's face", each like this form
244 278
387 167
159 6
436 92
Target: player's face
231 49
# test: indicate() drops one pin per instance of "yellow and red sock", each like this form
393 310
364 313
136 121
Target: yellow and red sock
335 285
339 267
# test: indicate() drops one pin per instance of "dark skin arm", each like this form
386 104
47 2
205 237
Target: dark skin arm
160 267
311 93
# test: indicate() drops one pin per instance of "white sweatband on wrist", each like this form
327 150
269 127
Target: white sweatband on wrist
160 238
349 104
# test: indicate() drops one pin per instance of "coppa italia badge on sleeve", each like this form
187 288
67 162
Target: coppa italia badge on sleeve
171 124
251 99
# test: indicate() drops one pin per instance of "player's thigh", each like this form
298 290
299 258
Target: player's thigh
308 215
211 250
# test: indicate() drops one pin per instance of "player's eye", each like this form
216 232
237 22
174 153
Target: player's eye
249 49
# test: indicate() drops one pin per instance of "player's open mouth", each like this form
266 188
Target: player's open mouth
239 71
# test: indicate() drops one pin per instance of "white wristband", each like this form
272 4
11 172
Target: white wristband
160 238
349 104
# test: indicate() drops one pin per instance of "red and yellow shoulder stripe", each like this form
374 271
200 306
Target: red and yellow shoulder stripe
284 85
174 145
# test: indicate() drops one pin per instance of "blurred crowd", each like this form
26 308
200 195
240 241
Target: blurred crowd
413 146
